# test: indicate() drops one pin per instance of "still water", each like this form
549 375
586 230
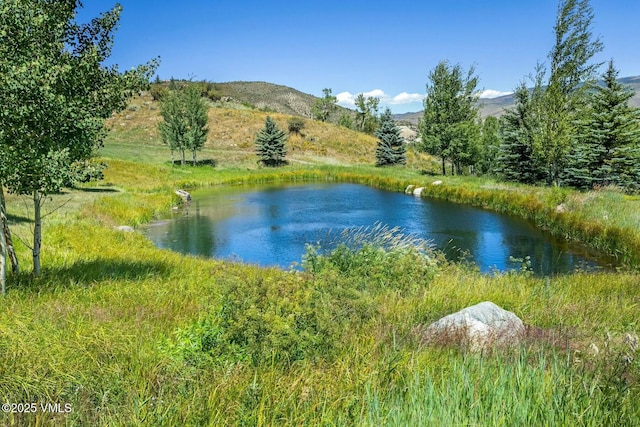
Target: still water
271 225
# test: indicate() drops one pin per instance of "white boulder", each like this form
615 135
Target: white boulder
478 327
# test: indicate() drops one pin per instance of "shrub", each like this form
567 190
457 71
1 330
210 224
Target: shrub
296 124
158 91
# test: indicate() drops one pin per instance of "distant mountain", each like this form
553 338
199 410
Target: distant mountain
496 106
269 96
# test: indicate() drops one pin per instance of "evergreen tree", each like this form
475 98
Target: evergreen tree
270 144
519 128
391 148
448 128
606 148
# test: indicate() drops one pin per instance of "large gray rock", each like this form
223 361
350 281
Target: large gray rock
478 327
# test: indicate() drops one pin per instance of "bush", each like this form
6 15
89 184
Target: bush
158 91
296 124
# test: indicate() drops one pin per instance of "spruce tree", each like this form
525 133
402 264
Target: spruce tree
518 130
270 144
606 149
391 148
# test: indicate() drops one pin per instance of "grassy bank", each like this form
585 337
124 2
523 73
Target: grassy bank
128 334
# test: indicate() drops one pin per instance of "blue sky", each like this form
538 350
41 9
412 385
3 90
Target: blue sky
384 49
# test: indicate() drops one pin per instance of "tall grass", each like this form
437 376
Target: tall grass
132 335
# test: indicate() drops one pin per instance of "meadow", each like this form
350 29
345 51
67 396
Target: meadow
127 334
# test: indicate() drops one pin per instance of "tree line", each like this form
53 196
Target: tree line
564 130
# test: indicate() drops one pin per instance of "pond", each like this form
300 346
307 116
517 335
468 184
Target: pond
271 226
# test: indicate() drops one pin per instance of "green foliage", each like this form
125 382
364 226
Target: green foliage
519 132
208 90
270 144
184 125
449 129
606 150
296 124
367 113
56 94
324 106
158 91
570 76
489 149
391 148
346 120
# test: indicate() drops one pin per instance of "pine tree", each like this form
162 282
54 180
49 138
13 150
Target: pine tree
606 149
391 148
270 144
518 130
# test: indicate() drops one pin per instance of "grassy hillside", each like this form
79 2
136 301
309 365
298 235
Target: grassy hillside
231 138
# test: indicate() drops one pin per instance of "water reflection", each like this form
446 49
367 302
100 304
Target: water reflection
270 226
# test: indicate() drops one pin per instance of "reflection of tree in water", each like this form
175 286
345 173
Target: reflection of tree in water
193 234
547 257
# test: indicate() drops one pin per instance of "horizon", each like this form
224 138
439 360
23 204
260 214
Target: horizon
387 50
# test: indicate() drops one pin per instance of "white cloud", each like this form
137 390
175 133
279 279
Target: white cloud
490 93
376 93
347 99
406 98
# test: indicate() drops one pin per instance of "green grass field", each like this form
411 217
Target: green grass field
127 334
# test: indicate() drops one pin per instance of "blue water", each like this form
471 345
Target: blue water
271 225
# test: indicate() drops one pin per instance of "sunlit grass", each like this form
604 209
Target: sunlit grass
124 331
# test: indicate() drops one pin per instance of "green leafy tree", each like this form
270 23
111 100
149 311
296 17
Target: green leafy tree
367 113
195 109
571 75
391 148
55 95
607 142
325 106
489 149
184 124
346 121
449 128
270 144
519 129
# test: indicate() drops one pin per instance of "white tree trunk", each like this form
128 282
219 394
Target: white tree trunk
37 231
11 253
3 259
